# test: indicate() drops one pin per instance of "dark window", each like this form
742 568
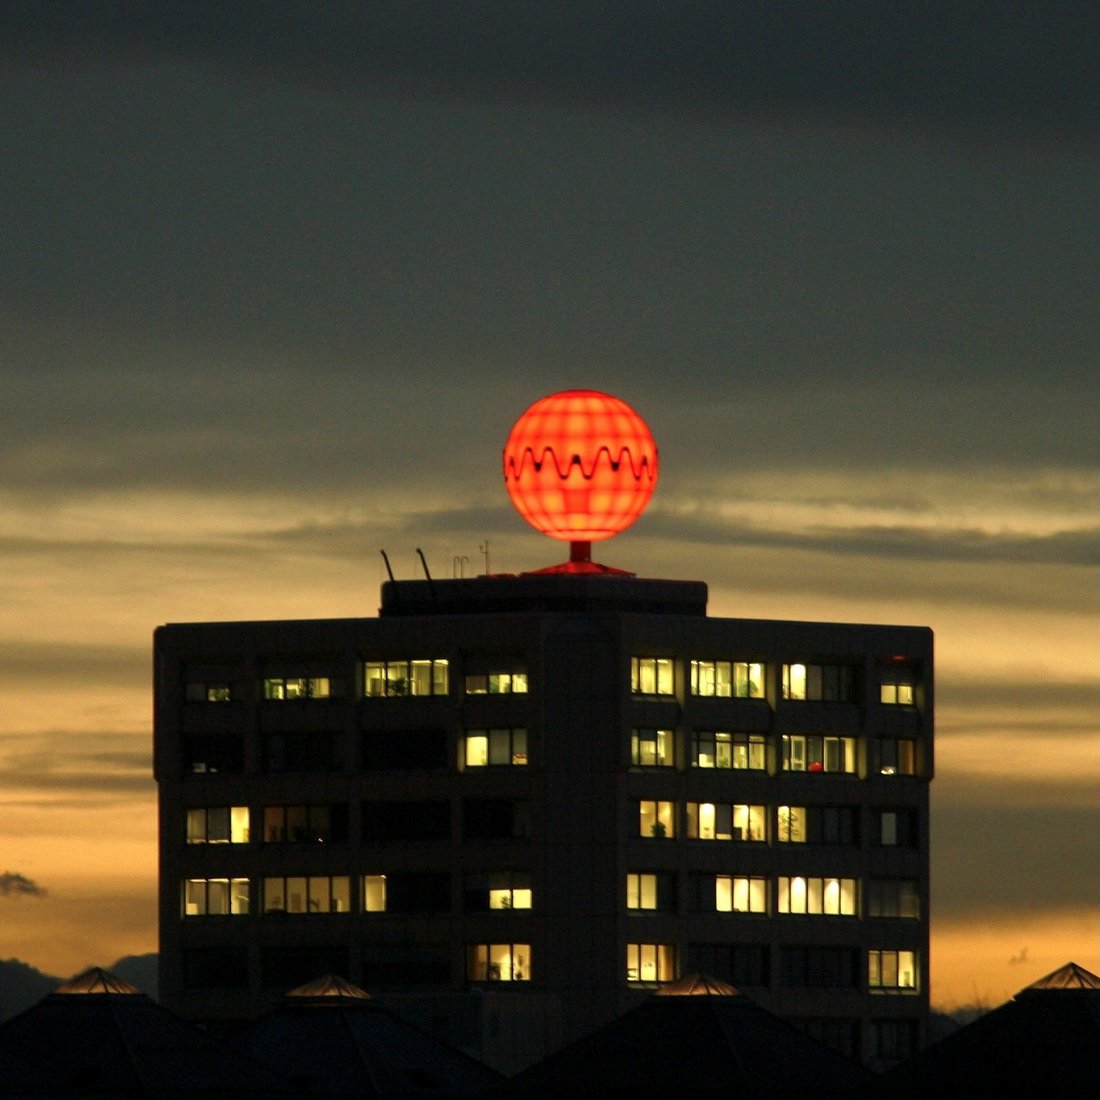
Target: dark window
893 897
892 1041
405 965
418 892
896 828
215 968
321 824
494 819
286 967
737 963
204 754
819 967
299 752
839 1035
427 820
386 750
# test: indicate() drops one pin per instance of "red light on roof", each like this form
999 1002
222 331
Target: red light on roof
580 465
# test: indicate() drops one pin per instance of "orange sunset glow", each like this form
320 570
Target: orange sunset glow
268 315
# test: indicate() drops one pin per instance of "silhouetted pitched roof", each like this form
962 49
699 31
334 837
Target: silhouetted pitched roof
1070 976
99 1036
1046 1040
699 1037
332 1039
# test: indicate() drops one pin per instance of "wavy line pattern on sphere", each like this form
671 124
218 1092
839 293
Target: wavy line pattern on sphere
580 465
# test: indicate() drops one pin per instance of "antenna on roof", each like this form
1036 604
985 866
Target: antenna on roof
386 559
423 562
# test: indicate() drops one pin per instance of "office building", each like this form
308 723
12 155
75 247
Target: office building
514 805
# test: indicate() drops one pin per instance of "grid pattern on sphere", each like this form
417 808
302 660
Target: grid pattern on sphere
580 465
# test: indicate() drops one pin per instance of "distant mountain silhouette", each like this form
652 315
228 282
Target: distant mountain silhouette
21 985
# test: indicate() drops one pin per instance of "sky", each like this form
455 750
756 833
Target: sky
277 278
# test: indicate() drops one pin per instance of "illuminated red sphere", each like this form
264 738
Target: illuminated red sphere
580 465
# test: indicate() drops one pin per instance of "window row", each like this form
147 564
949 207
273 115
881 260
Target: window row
747 680
429 892
489 819
419 676
803 895
879 970
648 676
886 970
321 750
833 825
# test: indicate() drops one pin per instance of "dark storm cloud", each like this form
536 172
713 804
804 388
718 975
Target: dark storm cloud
15 885
1004 64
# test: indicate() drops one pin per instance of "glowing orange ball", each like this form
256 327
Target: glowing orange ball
580 465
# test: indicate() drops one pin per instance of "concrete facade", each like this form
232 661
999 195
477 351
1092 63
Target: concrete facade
512 806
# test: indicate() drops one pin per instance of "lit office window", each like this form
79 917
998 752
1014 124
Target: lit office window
818 754
725 821
896 694
401 678
496 747
727 679
313 894
649 890
817 825
650 962
811 896
651 748
215 897
207 692
735 751
740 894
286 688
656 819
374 893
651 675
892 971
496 683
217 825
824 683
485 891
498 962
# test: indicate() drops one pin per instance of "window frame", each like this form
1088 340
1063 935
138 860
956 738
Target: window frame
661 818
294 689
663 751
236 830
508 741
885 970
747 746
317 888
659 958
510 961
653 676
747 822
816 759
237 895
715 679
752 889
816 896
402 678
